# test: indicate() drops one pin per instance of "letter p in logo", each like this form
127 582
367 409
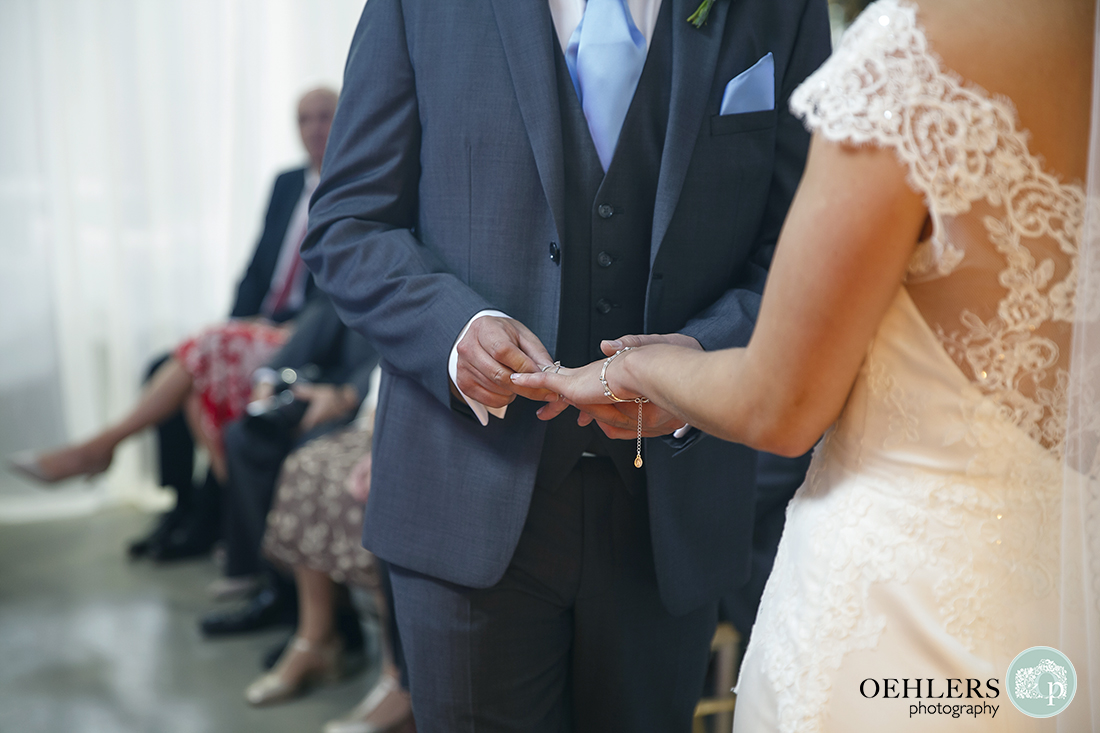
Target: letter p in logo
1061 692
1034 669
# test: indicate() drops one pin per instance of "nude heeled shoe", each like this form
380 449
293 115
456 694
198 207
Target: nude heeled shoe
60 464
303 663
385 707
26 465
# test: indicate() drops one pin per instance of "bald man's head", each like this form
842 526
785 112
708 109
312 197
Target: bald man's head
315 111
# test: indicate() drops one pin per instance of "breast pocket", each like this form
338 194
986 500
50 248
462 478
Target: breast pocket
742 122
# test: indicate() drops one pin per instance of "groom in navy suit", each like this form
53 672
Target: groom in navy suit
508 182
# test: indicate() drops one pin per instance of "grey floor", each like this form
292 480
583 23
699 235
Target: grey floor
92 642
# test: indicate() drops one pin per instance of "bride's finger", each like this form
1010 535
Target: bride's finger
549 381
579 386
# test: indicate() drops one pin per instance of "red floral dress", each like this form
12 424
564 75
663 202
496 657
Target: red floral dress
221 361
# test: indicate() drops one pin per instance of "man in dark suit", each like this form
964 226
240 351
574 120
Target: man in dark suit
481 200
273 261
275 287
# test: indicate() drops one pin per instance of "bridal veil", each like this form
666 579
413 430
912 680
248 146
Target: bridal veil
1080 622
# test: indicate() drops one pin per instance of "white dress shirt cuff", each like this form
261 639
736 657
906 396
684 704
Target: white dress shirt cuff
480 411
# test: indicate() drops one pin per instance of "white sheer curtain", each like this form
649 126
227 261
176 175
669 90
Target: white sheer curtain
138 144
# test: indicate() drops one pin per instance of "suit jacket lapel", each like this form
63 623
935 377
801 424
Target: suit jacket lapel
694 58
526 31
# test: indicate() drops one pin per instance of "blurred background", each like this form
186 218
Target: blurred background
138 143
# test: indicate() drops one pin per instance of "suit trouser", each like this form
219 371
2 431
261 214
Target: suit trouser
175 449
777 478
196 513
254 459
391 621
574 637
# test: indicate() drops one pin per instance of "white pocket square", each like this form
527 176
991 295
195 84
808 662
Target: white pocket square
753 90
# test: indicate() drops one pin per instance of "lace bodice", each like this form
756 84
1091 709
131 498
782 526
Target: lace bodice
996 279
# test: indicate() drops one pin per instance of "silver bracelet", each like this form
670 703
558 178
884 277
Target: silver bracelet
603 379
615 398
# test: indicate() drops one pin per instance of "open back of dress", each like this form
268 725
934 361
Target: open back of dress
996 280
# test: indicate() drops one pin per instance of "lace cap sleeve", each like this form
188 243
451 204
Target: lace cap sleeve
858 94
884 86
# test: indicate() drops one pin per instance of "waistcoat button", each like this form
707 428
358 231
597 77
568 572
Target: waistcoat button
605 211
555 253
604 259
603 306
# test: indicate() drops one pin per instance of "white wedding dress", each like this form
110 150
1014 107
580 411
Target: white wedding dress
925 541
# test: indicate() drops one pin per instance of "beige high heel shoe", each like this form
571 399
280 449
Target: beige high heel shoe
385 708
304 663
60 464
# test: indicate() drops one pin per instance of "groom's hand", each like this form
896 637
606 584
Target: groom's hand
620 420
635 340
492 349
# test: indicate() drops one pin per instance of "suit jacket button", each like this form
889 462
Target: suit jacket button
605 211
555 253
603 306
603 259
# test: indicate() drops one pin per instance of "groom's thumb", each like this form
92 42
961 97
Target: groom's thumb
645 339
610 347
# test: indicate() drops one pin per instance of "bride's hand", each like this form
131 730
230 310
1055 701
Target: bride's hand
620 420
583 389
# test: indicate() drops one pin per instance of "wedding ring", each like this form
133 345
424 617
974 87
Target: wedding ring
556 365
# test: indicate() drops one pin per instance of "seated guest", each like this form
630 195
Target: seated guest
209 376
274 287
314 530
339 363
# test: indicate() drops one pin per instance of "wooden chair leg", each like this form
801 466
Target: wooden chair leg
724 646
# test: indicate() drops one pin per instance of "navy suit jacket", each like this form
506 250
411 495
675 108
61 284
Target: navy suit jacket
441 191
257 278
321 340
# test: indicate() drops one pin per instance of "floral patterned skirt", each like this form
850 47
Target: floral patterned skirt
314 520
221 361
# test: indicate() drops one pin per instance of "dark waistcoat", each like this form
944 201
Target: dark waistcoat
604 253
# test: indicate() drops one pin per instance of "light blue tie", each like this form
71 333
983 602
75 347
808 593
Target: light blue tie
605 57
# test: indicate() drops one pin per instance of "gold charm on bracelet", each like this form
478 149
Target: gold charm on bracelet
615 398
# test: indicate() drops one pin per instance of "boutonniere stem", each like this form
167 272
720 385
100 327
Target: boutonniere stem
699 17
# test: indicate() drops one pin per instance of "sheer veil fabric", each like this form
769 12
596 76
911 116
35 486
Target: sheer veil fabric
1080 622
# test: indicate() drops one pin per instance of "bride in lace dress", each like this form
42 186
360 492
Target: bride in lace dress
921 307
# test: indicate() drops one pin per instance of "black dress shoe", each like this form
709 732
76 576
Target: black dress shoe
182 544
350 630
267 608
164 527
